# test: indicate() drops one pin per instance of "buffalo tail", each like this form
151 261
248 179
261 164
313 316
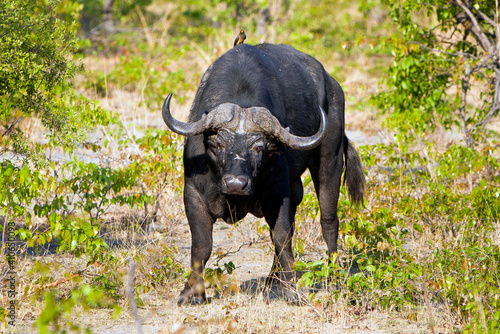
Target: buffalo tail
354 177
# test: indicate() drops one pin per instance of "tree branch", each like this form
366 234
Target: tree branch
12 125
130 295
463 102
486 18
495 106
437 51
476 30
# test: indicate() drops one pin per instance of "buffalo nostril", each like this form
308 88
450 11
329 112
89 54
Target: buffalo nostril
236 185
242 181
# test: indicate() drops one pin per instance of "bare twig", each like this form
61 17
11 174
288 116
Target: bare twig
495 106
149 38
6 219
463 102
12 125
229 252
132 139
437 51
486 17
205 56
130 296
276 8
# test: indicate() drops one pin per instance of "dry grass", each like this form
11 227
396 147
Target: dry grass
241 308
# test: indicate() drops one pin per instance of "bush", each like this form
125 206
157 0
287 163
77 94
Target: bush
38 39
445 72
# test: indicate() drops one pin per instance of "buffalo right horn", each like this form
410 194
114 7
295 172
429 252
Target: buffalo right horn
214 119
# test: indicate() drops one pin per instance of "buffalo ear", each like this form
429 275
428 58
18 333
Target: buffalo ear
210 141
274 147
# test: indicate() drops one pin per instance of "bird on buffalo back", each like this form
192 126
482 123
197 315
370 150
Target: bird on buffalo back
240 38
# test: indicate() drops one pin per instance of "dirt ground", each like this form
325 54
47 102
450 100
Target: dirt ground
247 309
243 307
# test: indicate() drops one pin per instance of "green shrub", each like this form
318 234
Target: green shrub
447 53
38 39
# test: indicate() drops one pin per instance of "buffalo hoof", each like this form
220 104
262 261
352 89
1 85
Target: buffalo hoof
190 300
197 300
296 297
271 280
287 292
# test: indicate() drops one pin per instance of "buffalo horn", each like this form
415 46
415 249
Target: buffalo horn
182 128
274 128
261 117
221 115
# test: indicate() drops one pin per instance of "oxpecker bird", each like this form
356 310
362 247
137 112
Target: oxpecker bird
240 38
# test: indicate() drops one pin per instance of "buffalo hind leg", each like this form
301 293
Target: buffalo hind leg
327 184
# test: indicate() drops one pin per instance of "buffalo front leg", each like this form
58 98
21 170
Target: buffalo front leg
285 232
281 225
201 226
281 233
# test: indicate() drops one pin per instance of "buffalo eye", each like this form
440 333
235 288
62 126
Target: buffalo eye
258 148
224 140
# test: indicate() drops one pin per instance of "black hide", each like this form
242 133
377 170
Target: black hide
229 174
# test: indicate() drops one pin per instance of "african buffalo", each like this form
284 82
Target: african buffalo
262 115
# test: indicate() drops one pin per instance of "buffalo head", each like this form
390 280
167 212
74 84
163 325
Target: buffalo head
240 140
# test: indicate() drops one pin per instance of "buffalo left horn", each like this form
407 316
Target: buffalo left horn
270 125
185 129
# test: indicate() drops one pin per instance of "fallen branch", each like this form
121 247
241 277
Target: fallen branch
53 284
221 255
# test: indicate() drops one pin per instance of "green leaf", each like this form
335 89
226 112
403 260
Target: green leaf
417 228
370 268
73 244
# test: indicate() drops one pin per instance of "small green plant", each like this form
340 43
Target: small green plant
217 276
376 266
159 268
54 308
